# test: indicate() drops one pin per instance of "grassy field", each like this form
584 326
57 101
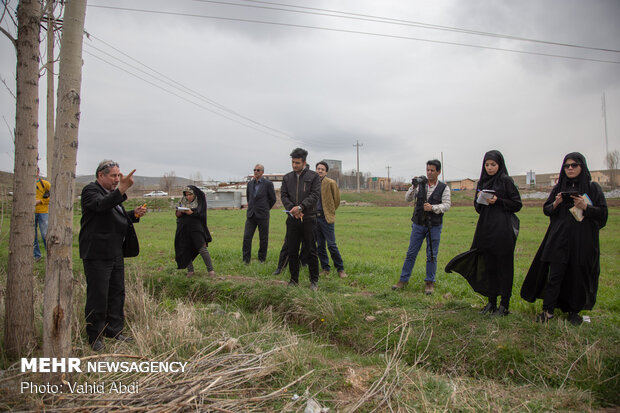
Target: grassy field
355 344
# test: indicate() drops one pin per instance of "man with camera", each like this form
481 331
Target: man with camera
432 201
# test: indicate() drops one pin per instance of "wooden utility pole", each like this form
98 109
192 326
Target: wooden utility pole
443 178
605 122
357 145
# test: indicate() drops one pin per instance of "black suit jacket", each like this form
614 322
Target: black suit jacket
259 205
106 230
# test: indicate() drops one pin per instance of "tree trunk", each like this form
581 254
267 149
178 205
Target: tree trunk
57 304
19 316
50 87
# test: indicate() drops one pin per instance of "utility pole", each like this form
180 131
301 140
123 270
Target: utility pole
389 182
605 122
357 145
443 178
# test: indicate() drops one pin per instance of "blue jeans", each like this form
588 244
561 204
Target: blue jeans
41 221
325 234
418 234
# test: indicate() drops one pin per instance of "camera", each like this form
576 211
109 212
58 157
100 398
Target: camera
419 180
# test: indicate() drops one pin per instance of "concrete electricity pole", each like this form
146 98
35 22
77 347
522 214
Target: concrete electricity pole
357 145
389 182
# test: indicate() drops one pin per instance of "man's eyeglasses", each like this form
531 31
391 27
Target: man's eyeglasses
257 170
571 165
105 166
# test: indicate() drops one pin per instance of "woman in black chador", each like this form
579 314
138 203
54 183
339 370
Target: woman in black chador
192 236
566 267
489 265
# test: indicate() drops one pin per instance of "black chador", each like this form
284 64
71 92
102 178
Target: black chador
489 265
192 233
566 267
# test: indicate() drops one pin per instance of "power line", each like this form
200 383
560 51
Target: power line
190 101
172 83
354 32
388 20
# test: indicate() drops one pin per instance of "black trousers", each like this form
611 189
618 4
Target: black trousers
557 272
296 232
283 259
263 236
105 297
500 272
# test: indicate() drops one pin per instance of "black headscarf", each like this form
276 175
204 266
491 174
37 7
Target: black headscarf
199 196
488 181
581 183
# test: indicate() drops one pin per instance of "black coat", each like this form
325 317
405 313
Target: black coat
303 190
265 199
106 229
496 234
192 232
570 242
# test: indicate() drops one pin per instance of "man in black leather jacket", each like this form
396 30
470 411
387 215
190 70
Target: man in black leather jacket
106 236
300 193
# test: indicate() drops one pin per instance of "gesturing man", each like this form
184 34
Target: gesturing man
106 236
299 193
329 201
261 198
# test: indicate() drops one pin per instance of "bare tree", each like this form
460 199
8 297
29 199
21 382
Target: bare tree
19 315
196 178
50 8
613 160
57 300
167 181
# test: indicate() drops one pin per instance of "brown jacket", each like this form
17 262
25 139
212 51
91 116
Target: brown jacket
330 198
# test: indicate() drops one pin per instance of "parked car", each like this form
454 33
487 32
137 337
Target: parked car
156 193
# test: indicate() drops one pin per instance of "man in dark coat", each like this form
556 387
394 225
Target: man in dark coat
261 198
106 236
300 193
566 268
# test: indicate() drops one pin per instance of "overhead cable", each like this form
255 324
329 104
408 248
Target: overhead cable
355 32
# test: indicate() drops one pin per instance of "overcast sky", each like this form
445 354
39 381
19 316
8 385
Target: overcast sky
407 93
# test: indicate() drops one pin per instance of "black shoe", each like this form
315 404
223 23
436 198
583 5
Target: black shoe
292 284
97 345
246 262
501 311
575 319
277 271
123 337
544 317
490 308
314 286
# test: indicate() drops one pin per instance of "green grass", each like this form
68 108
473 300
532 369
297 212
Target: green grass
357 321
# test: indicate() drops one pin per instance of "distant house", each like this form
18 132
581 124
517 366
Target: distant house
378 183
462 184
276 178
600 177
